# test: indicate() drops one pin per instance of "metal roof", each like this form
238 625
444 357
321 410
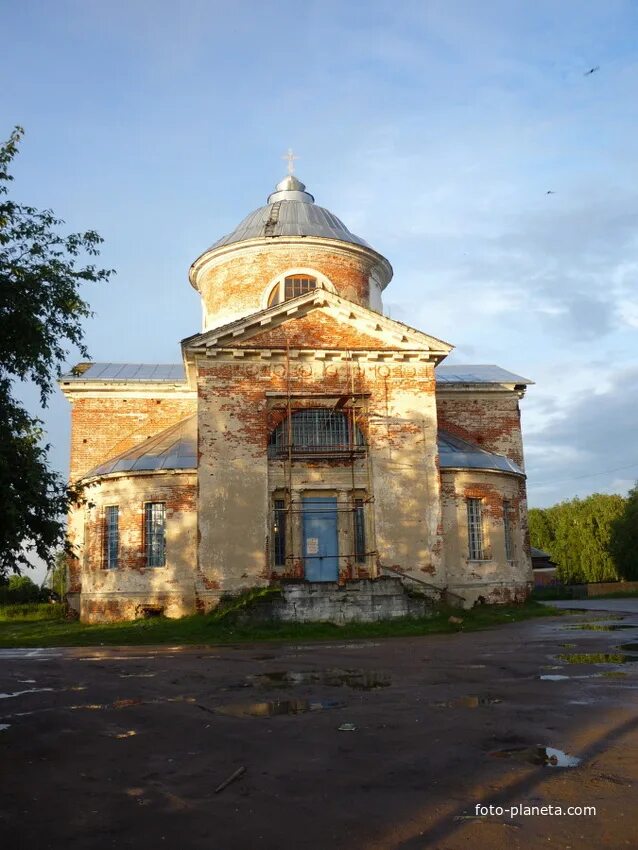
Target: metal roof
477 374
455 453
150 372
174 448
174 373
290 211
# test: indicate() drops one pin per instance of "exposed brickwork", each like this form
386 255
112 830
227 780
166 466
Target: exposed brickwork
103 427
238 284
491 420
178 496
317 330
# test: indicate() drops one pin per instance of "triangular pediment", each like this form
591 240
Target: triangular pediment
318 320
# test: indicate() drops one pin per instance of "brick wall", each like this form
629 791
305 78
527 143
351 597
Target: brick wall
236 286
489 419
103 426
107 593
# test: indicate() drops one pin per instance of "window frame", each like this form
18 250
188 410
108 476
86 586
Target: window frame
274 294
508 536
475 530
335 423
359 531
111 554
279 531
149 535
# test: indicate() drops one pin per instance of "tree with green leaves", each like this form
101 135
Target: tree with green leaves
578 534
624 540
41 315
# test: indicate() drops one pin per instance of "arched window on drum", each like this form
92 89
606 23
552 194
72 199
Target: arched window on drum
290 287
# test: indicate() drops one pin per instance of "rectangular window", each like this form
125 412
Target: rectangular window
111 536
279 533
475 530
155 533
507 530
359 532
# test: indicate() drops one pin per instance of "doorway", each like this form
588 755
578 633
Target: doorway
320 541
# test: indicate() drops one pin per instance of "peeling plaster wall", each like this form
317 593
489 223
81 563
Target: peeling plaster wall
234 425
233 284
116 594
495 579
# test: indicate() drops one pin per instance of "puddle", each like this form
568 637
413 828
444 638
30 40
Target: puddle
607 674
27 681
603 627
599 657
363 680
4 727
137 675
317 646
472 701
629 647
542 756
272 708
39 654
28 691
114 733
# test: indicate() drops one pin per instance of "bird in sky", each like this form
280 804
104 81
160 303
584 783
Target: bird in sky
591 70
550 192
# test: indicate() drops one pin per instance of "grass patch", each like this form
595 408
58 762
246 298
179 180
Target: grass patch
212 629
32 612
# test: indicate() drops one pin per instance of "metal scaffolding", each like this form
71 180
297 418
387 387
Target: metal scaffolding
350 402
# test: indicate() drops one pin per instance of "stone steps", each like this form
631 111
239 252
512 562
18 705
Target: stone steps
362 601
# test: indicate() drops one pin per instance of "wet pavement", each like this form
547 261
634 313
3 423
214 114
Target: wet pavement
133 747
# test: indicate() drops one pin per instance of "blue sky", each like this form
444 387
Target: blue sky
433 129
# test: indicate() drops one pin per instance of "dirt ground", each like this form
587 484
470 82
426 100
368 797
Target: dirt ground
105 748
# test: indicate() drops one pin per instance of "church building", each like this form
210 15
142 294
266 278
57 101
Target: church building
306 440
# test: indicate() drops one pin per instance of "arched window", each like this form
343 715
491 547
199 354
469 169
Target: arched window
290 287
316 431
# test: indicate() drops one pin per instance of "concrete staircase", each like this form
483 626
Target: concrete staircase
363 601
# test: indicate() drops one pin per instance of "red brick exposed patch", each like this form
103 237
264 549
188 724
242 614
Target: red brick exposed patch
239 284
317 330
491 421
103 427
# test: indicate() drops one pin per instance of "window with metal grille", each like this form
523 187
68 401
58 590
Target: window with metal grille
316 430
279 533
359 532
475 529
111 536
507 530
155 533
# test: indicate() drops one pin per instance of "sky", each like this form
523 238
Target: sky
434 129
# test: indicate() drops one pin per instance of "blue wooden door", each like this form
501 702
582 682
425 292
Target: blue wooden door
320 544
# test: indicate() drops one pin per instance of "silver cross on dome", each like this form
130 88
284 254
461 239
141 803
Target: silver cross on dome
291 157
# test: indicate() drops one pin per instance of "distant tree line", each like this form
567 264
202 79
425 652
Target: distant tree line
591 539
